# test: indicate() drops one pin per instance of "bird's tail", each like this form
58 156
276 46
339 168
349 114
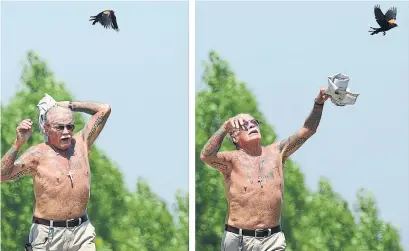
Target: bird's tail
93 18
374 31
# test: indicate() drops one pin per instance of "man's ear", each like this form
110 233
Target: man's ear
46 129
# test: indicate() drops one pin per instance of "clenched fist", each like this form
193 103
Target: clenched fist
24 131
322 97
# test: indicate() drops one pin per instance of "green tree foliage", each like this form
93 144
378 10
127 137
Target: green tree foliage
124 221
318 220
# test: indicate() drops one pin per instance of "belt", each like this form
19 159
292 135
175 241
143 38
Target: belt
67 223
254 233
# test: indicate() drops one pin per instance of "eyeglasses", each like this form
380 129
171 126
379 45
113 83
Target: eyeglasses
70 127
247 123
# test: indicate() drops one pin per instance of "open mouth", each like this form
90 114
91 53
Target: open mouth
65 140
253 132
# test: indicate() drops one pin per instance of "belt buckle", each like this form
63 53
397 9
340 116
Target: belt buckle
258 231
71 220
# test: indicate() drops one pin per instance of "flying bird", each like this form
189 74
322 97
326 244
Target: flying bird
386 22
107 19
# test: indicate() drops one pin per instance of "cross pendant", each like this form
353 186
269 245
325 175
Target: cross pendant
260 181
70 176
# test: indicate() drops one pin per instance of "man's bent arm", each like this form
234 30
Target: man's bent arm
100 114
7 162
288 146
12 169
210 153
89 107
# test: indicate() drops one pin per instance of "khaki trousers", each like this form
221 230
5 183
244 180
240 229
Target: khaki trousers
235 242
79 238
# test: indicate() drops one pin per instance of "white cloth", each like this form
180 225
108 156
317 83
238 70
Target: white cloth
46 103
339 91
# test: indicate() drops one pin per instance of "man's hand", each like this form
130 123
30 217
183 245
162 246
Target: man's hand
322 97
23 132
234 123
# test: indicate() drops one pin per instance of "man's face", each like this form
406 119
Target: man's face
60 127
250 132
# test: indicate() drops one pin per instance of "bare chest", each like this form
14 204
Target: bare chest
252 173
56 170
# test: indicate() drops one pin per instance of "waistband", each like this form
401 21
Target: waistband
254 233
67 223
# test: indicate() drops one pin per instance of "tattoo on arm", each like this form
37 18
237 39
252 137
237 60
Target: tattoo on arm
23 172
214 143
7 162
23 165
88 107
292 144
289 146
100 113
313 120
97 127
222 167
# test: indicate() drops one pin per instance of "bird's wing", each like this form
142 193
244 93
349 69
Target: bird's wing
114 24
379 16
391 14
106 19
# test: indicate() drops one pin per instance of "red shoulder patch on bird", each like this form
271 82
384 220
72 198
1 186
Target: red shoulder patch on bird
392 21
107 12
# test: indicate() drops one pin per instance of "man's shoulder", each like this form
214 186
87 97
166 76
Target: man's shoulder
272 146
32 156
36 149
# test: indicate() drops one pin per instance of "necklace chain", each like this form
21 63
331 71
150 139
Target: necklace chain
260 167
69 155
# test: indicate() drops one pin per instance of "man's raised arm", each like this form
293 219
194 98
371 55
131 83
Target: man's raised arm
210 153
10 167
100 113
288 146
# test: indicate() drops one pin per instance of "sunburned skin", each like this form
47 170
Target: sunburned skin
253 174
253 205
57 196
60 168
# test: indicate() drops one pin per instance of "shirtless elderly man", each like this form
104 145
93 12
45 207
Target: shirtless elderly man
253 179
61 176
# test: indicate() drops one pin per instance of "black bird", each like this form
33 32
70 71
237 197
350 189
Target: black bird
107 19
386 22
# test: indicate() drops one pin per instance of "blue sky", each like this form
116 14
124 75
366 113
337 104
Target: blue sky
142 71
285 51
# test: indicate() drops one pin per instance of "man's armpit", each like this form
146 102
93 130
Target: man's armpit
223 167
281 145
288 146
